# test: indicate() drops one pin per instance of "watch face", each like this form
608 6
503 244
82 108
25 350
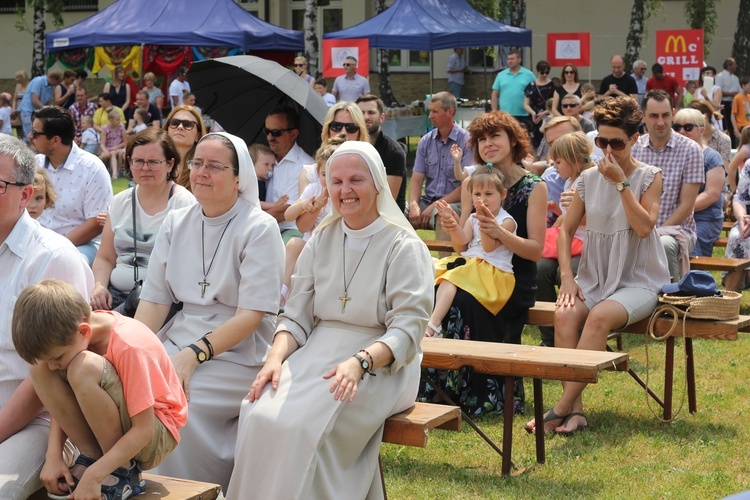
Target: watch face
202 356
365 364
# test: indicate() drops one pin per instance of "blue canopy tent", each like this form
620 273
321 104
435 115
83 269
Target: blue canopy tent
433 25
207 23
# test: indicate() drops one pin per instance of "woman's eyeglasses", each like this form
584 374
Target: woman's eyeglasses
139 163
615 144
337 126
688 127
186 124
568 72
213 168
544 72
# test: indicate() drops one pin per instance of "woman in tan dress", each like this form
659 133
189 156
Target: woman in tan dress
623 266
346 354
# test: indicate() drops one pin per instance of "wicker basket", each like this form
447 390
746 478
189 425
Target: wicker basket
717 308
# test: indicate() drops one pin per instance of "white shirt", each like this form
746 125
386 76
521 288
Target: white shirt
83 190
5 117
285 180
728 83
176 89
28 255
456 62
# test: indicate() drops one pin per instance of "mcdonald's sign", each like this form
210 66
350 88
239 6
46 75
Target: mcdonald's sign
680 52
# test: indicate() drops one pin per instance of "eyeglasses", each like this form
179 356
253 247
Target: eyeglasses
186 124
568 72
276 132
139 163
337 126
296 65
544 72
36 134
688 127
568 105
615 144
212 168
4 185
348 64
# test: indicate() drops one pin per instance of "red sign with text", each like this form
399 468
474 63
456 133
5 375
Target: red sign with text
569 48
335 51
681 53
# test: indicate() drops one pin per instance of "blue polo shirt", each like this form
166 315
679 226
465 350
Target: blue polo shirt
40 87
511 88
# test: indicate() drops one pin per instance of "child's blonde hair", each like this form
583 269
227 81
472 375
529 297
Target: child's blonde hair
588 87
114 115
42 181
326 149
548 104
744 137
47 315
487 175
87 119
575 149
143 113
258 149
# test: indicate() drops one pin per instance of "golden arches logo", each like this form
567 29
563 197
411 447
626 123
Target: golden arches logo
675 41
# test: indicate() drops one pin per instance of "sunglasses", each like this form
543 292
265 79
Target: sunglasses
688 127
337 126
296 65
348 64
36 134
615 144
275 132
569 105
186 124
544 72
570 72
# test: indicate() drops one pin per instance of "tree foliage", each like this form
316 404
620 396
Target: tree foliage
640 13
39 27
701 14
741 46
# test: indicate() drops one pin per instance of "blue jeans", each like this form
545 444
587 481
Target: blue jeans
455 89
26 123
89 251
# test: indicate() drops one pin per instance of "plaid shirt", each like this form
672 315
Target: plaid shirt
79 113
681 161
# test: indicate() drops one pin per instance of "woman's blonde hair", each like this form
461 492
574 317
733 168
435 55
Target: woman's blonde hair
575 149
354 112
42 181
23 75
691 115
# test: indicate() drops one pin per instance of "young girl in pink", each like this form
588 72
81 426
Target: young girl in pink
113 141
484 268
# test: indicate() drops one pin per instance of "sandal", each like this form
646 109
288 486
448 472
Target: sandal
433 331
82 463
549 417
577 429
128 483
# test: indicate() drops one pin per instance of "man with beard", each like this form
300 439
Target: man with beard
392 152
282 129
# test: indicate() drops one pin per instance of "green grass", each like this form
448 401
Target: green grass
627 453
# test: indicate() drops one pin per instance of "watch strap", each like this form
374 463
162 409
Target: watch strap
200 355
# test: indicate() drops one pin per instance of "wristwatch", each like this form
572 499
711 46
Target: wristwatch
201 356
363 363
620 186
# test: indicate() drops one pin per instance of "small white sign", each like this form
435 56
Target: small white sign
568 49
690 74
339 54
61 42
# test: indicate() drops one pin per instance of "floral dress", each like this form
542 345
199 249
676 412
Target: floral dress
737 246
467 319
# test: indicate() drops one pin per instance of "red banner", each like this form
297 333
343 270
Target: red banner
335 51
569 48
681 53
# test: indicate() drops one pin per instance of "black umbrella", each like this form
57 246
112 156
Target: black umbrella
240 91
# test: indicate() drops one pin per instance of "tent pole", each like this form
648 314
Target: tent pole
484 63
432 76
143 64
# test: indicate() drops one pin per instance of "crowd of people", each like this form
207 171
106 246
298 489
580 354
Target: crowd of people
295 328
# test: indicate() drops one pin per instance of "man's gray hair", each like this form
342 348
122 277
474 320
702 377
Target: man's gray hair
446 100
22 156
572 97
639 64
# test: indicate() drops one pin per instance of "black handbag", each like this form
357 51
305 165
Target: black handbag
131 302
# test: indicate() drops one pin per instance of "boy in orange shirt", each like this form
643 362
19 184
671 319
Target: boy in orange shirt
109 385
741 107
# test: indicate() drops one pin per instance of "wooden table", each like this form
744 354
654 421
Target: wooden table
512 360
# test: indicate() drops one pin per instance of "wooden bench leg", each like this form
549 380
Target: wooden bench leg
382 477
690 374
539 417
668 378
507 425
640 381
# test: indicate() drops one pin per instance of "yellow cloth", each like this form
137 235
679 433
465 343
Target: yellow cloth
131 62
489 285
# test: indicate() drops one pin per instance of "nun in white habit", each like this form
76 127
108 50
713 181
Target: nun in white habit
223 258
346 354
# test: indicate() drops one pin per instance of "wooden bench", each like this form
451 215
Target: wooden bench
511 361
439 246
543 313
721 242
719 264
161 487
727 226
